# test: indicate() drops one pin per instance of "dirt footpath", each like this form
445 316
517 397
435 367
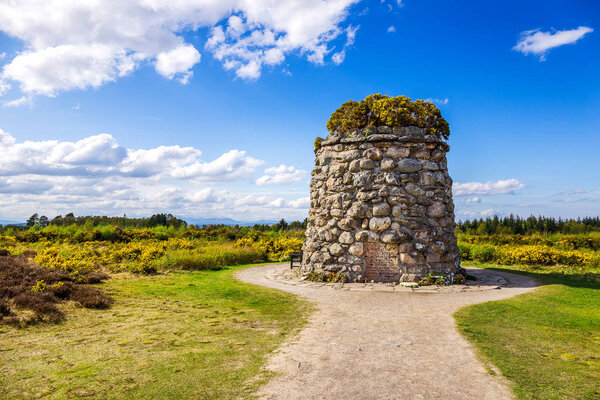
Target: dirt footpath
380 342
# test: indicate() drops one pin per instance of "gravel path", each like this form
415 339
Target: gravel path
380 342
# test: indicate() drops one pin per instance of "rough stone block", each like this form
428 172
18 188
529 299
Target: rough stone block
381 210
379 224
408 165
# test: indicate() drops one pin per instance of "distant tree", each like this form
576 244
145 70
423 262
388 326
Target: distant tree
281 225
32 220
43 221
295 226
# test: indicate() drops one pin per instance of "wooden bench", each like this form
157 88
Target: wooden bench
295 258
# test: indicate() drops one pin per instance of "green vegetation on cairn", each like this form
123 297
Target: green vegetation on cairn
380 110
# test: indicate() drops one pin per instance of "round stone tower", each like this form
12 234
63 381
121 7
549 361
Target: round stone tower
381 206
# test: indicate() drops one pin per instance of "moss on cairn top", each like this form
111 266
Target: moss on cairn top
380 110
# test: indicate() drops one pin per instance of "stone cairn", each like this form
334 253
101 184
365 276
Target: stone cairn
381 207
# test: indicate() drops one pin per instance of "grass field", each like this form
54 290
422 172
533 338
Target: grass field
179 335
547 342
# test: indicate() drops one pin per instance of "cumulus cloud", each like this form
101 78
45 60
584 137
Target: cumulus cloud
391 29
281 175
102 155
79 45
97 175
539 43
488 188
303 202
178 61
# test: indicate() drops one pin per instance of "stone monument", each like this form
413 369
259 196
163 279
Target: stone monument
381 204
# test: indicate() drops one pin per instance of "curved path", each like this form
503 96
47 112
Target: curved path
374 342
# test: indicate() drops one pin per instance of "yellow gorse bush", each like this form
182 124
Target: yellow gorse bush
275 248
528 255
148 252
542 255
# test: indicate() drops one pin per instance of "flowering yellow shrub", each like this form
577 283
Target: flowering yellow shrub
75 263
81 250
276 248
528 255
541 255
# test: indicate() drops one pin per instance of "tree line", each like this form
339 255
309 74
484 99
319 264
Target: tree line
167 220
70 219
520 226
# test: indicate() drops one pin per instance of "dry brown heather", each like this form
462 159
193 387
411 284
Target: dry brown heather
30 294
381 206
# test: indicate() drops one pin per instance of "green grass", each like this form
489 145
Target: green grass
547 342
181 335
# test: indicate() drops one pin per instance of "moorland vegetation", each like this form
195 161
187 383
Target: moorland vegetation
165 276
48 261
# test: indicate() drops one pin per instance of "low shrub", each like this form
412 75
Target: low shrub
483 252
143 267
275 248
26 286
329 277
377 110
431 279
442 280
90 297
465 251
41 303
209 257
4 308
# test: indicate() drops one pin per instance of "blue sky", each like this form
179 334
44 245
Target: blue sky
211 110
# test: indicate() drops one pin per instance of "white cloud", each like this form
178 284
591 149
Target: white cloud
487 213
303 202
21 101
391 29
438 101
102 156
281 175
80 45
340 56
24 185
487 188
390 6
180 61
539 43
4 87
51 70
97 175
472 200
6 139
233 165
482 213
